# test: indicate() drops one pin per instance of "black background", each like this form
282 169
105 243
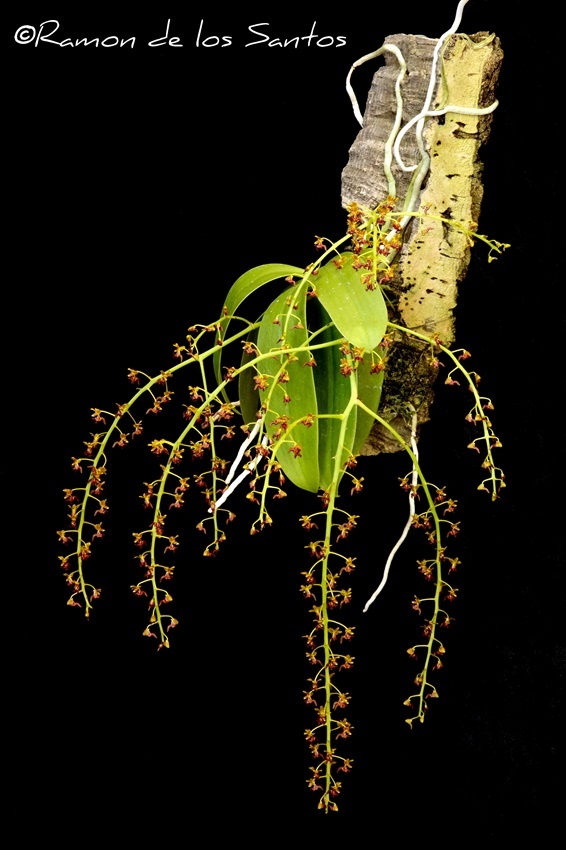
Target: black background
141 184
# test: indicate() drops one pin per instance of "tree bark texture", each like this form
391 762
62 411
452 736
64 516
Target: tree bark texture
435 256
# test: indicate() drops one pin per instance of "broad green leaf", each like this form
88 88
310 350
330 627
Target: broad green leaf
285 324
247 393
333 395
333 391
256 278
360 315
247 284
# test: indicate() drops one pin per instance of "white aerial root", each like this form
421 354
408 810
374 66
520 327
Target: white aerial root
388 153
249 468
433 113
426 111
392 145
397 134
414 482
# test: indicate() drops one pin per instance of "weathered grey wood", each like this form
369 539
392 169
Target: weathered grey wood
363 178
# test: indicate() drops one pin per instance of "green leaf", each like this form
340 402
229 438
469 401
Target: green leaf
284 325
247 393
314 391
333 395
247 284
359 314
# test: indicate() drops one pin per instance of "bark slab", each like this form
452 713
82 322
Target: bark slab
434 257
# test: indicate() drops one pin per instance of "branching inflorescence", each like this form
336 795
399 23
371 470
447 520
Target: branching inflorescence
290 396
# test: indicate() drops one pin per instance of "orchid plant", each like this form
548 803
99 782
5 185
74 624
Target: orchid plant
286 399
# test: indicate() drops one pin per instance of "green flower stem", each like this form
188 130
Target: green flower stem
332 495
99 460
439 556
495 474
